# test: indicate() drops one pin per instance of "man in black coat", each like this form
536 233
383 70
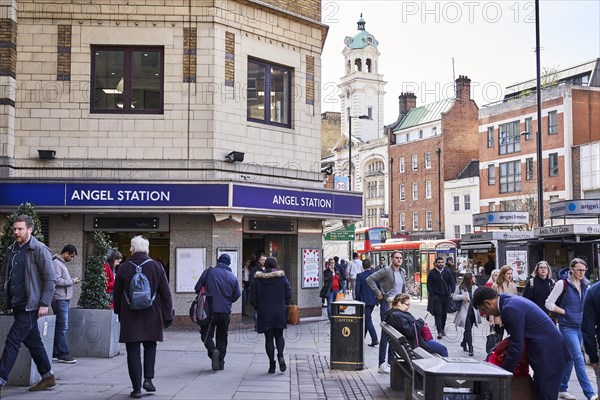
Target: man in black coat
440 286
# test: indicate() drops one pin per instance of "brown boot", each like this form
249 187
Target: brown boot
45 384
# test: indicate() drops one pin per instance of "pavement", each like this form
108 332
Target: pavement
183 370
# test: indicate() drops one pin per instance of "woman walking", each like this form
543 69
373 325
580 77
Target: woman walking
566 299
466 316
272 292
332 280
538 288
504 284
142 326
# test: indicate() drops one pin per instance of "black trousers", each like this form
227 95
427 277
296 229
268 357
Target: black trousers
134 362
275 335
440 312
220 325
468 334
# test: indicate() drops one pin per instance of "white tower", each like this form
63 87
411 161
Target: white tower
362 87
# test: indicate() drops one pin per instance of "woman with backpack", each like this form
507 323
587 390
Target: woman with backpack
272 293
566 300
466 316
538 288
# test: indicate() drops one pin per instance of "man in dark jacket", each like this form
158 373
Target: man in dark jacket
223 288
532 330
28 279
440 286
590 327
364 293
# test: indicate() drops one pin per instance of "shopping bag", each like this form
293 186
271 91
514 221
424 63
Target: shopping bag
426 333
293 316
492 340
341 297
200 310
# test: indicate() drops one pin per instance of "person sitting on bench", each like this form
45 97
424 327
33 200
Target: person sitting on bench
405 323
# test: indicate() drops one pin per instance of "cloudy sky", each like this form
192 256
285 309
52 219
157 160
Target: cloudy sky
492 42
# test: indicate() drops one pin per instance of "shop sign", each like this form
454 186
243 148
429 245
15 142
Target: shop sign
561 230
575 208
501 218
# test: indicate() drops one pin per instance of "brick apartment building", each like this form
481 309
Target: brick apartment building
570 143
428 145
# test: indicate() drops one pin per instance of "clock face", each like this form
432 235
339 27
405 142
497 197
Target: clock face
369 39
348 41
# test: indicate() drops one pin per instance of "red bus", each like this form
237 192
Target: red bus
364 238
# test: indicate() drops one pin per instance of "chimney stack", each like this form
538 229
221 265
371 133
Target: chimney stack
463 88
407 101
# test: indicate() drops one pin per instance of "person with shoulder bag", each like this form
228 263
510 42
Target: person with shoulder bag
540 285
466 316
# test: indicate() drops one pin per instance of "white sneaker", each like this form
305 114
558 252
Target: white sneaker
384 368
594 397
566 395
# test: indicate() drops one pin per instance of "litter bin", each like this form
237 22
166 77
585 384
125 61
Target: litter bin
347 335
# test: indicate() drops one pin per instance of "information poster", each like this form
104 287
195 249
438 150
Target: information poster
189 265
310 268
517 259
233 254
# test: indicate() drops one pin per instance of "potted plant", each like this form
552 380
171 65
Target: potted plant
24 372
93 327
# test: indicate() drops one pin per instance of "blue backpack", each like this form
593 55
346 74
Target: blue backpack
140 294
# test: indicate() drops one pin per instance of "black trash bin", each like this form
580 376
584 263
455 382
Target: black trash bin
347 335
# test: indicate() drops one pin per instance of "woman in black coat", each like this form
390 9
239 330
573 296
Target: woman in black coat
142 326
538 288
272 292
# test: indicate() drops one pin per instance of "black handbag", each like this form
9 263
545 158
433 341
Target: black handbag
492 340
454 305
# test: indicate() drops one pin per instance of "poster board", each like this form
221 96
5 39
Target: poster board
516 259
310 268
234 255
189 265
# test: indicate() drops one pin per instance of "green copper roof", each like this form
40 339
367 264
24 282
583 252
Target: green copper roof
424 114
362 38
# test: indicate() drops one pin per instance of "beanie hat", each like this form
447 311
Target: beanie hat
224 259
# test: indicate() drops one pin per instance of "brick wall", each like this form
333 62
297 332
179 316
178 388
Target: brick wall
586 116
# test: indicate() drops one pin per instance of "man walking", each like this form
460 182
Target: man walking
223 288
355 267
28 279
590 327
391 282
440 286
530 330
364 293
60 303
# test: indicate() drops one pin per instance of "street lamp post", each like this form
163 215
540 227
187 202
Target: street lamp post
439 173
538 136
350 147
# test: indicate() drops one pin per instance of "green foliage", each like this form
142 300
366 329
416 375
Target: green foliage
93 290
7 236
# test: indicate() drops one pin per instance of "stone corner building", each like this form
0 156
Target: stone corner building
195 123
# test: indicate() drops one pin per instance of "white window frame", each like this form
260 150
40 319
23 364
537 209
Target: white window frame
414 162
428 160
427 189
415 221
456 202
402 168
415 191
402 192
467 201
429 220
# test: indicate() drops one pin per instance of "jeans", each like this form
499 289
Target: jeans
220 324
344 286
24 330
574 341
369 324
440 312
134 362
61 310
331 299
274 335
383 343
468 333
437 348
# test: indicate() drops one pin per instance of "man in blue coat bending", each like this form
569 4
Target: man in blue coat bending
526 323
223 288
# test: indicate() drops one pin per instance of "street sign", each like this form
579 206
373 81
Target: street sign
345 234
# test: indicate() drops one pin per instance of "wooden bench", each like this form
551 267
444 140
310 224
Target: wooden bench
402 370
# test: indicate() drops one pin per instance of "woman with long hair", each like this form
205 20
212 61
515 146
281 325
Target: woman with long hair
539 286
412 328
466 316
504 284
272 292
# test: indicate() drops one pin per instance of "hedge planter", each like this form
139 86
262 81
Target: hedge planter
93 333
25 373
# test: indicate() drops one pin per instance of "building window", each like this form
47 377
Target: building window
491 174
553 198
370 112
402 170
415 191
509 138
553 159
427 189
415 162
421 134
528 128
552 122
427 160
380 193
529 169
434 131
407 137
468 229
456 203
510 177
429 220
127 80
402 222
269 93
467 199
456 231
490 137
492 206
415 221
402 193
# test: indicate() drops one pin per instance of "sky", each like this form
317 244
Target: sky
492 42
